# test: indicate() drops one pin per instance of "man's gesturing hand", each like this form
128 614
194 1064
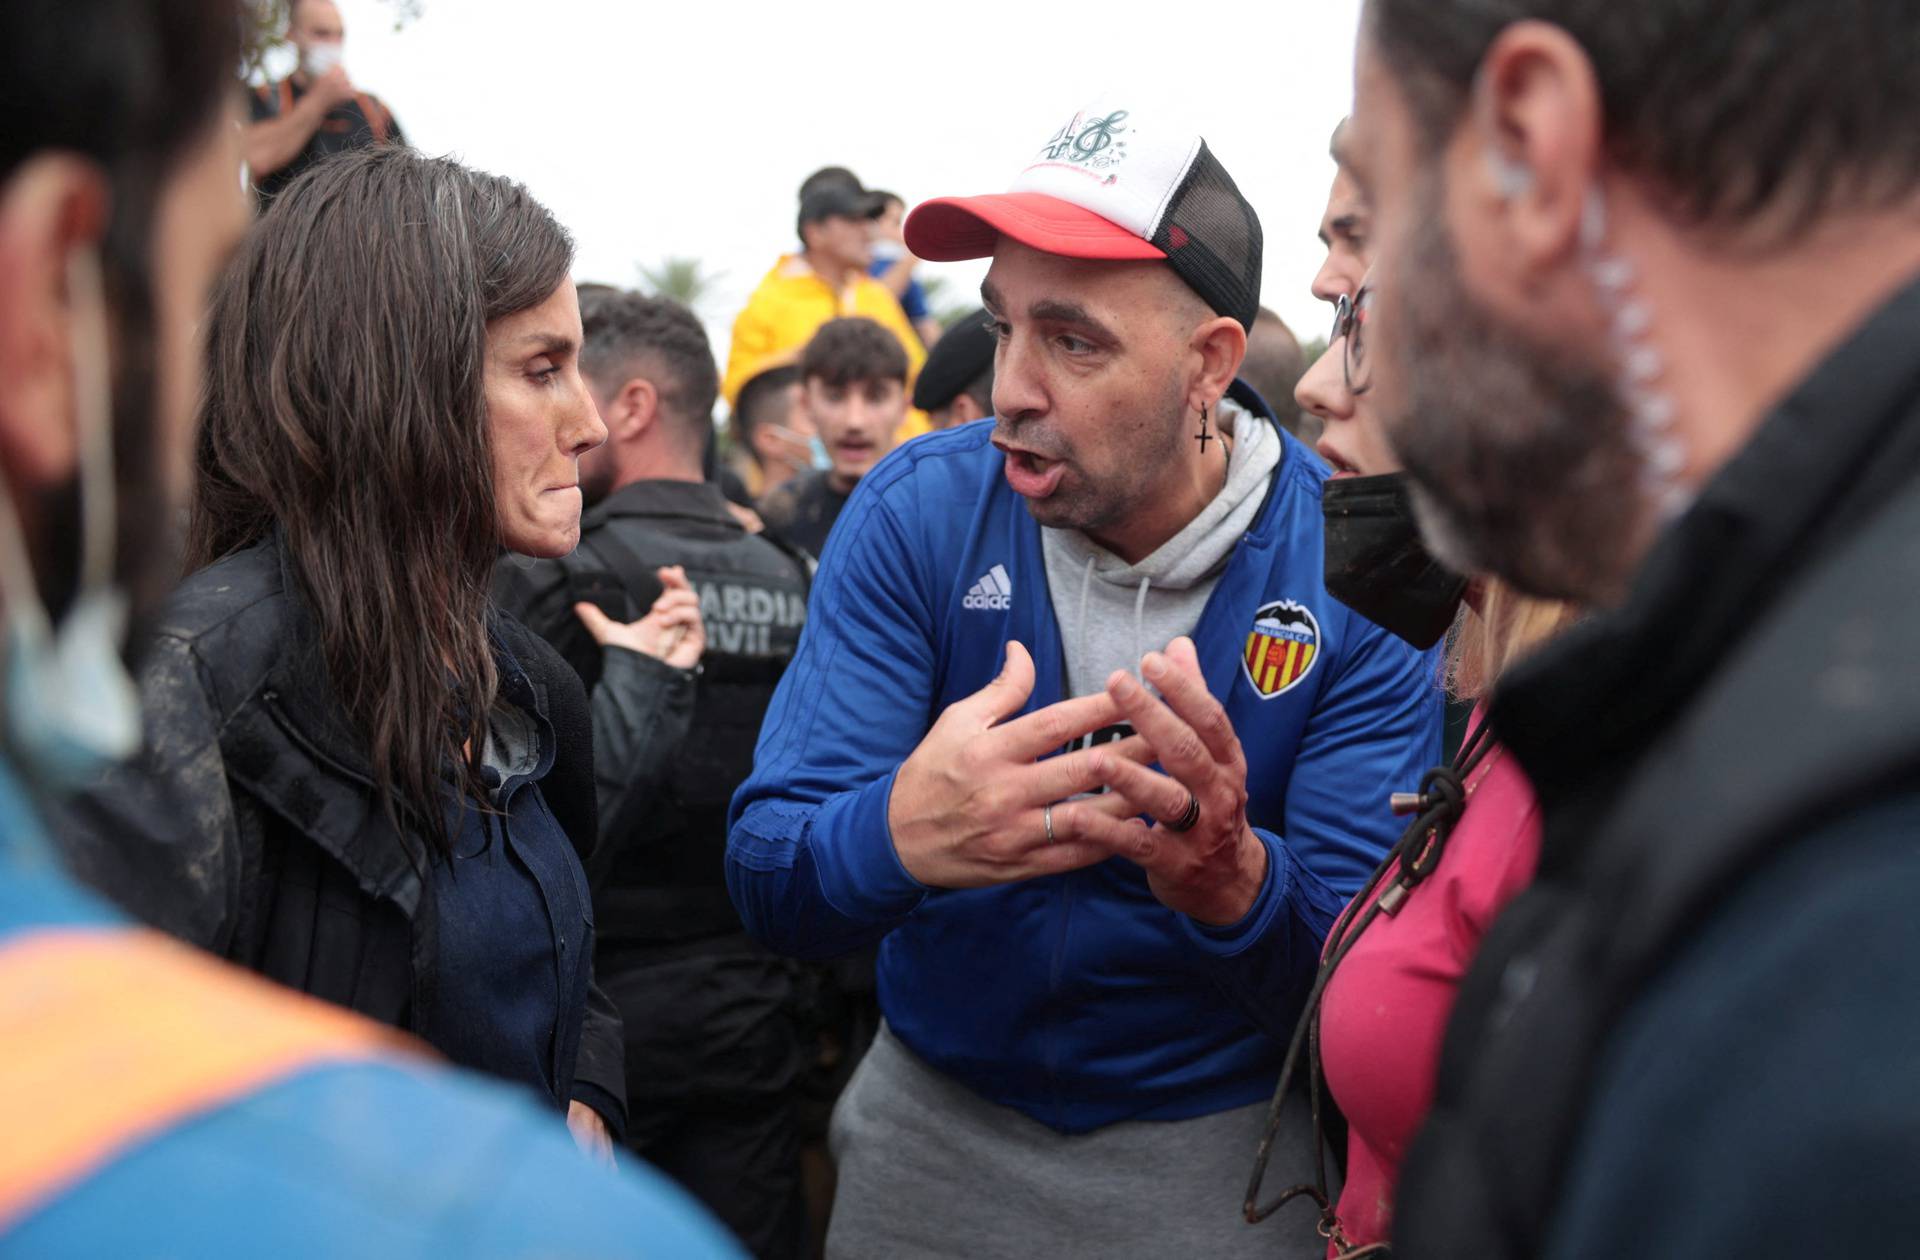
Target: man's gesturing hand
1214 871
968 805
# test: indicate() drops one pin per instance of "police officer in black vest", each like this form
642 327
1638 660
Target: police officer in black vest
713 1050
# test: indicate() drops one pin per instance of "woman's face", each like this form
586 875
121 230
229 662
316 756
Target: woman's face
1352 440
541 421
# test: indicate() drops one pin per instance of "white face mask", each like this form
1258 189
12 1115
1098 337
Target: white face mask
70 710
320 58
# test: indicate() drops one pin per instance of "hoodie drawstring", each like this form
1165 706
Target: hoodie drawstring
1139 619
1139 628
1080 630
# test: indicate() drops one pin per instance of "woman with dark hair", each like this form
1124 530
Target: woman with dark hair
386 785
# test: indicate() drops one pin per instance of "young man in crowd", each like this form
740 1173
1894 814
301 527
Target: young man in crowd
1085 1011
1651 338
956 385
157 1101
772 437
314 112
712 1046
826 280
853 377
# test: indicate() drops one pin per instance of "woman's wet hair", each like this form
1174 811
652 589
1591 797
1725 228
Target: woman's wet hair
346 408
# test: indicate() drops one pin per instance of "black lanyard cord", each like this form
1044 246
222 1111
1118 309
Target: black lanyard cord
1442 800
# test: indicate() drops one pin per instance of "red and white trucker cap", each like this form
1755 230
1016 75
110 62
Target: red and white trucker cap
1120 180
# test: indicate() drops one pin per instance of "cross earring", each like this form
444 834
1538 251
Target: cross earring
1203 437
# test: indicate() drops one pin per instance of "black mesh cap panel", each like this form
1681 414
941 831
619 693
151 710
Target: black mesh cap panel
1212 240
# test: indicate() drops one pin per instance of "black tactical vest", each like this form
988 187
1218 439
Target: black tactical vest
666 881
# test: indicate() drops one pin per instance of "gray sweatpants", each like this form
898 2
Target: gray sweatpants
930 1169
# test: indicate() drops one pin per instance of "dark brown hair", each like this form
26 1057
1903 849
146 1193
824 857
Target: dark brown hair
1741 110
629 334
853 350
346 407
763 400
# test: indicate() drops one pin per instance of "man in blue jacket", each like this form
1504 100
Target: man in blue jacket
1084 1010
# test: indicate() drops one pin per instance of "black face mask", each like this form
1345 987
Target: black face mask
1377 565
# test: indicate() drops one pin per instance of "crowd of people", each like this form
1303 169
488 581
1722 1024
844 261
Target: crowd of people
995 794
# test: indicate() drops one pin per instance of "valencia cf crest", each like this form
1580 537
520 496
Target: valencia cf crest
1281 649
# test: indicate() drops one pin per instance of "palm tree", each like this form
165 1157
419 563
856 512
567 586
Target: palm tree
685 280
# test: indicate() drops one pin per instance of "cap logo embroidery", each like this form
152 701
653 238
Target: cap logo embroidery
1089 142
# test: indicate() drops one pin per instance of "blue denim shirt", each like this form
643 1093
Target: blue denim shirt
514 914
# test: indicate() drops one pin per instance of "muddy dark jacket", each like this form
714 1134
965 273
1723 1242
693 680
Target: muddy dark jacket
673 747
250 827
1696 1034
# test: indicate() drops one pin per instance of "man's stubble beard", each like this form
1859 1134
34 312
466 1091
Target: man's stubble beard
1150 445
1519 449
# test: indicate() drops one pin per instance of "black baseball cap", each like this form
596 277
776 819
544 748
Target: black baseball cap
836 201
962 355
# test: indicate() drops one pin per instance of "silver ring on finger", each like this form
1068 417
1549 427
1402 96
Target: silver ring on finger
1187 819
1046 816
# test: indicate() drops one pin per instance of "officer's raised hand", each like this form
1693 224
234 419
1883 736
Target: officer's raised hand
334 88
1203 859
973 805
672 631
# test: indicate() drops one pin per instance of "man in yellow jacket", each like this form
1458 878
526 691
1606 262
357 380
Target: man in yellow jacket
825 280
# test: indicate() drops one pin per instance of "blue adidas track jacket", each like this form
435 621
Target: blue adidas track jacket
1077 998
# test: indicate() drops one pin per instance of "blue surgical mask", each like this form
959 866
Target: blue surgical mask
70 710
816 449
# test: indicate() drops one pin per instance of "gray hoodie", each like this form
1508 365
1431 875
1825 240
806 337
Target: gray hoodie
1112 613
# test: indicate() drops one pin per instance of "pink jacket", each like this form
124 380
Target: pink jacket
1385 1011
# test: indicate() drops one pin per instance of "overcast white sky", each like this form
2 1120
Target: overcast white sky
656 129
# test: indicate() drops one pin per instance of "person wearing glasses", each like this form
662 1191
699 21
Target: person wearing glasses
1390 974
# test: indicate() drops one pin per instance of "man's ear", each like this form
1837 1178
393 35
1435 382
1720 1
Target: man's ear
52 205
761 441
1536 117
1221 344
632 410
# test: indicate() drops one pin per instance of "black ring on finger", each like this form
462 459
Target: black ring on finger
1186 820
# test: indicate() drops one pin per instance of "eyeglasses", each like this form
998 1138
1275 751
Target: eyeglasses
1350 317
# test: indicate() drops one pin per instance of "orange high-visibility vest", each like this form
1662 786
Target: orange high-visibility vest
376 115
113 1035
